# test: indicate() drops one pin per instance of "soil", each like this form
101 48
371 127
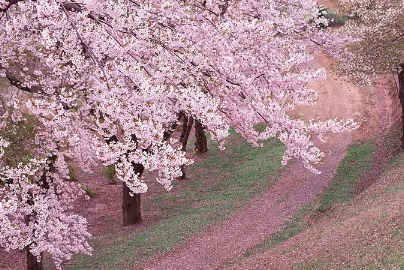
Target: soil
361 235
359 232
382 114
384 111
222 244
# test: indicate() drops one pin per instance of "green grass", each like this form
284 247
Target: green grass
336 19
394 188
312 266
294 226
392 142
88 191
368 250
385 253
110 174
72 174
358 160
217 186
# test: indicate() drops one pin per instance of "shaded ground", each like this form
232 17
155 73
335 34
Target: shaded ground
229 240
226 242
384 112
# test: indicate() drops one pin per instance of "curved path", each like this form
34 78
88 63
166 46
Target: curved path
227 241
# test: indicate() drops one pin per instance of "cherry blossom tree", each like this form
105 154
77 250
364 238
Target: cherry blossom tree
36 199
110 78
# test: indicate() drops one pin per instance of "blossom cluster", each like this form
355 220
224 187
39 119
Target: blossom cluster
97 69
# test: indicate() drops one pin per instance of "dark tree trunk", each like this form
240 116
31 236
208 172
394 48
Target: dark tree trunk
184 128
32 263
401 96
188 123
131 204
131 201
187 131
130 207
201 144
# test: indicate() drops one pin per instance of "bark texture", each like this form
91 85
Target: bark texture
187 130
32 263
131 204
187 127
201 144
184 119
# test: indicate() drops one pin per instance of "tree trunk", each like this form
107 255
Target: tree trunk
184 137
201 144
184 128
131 204
188 123
401 96
32 263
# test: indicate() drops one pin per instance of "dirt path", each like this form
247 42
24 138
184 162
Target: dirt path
225 242
354 233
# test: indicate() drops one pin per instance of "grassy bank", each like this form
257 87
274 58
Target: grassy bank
369 233
358 160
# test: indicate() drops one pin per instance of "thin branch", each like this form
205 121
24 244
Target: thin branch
93 57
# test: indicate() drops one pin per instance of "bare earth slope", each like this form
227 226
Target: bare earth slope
227 241
366 234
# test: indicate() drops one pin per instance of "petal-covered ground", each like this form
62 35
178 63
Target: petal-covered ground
225 243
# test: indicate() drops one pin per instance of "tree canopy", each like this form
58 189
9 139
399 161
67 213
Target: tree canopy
126 69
